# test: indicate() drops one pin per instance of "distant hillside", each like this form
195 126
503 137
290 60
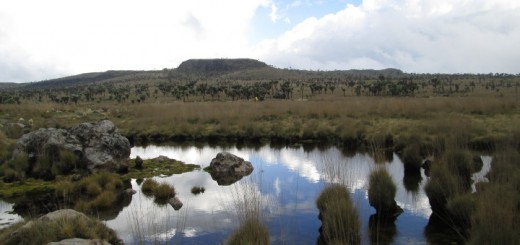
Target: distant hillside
219 66
9 85
214 69
80 79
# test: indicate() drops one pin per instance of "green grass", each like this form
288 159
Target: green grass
154 167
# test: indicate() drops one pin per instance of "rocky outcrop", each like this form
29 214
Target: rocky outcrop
227 168
97 146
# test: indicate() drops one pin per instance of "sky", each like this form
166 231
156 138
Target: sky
48 39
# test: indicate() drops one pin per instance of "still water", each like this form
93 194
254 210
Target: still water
286 183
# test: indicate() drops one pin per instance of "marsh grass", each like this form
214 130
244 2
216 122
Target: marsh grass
43 232
339 217
496 216
381 192
161 192
248 203
93 193
250 232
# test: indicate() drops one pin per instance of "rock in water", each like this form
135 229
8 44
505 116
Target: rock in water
98 146
227 168
175 202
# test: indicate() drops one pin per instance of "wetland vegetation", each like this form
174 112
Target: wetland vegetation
439 122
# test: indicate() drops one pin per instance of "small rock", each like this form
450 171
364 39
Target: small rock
176 203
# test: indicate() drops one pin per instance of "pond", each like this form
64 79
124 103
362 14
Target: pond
286 181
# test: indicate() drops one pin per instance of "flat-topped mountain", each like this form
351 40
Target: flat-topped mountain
212 66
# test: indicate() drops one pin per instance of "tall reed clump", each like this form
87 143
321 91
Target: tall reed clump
381 194
339 217
496 218
248 205
44 232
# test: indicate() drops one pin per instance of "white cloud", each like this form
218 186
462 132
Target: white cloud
416 36
47 39
61 36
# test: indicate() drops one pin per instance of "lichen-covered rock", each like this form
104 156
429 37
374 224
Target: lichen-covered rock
227 168
226 162
98 146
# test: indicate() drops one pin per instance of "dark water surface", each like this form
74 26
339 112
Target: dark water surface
286 182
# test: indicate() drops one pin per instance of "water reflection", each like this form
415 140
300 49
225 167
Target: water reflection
288 180
7 217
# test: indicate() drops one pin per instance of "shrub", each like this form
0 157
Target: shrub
252 231
340 220
381 191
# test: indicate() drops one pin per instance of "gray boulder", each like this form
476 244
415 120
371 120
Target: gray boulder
227 168
57 215
98 146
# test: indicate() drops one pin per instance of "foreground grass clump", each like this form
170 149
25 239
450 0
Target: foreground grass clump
43 232
381 194
340 220
251 231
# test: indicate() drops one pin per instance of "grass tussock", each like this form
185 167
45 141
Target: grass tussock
381 192
340 220
93 193
250 232
43 232
161 192
197 190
